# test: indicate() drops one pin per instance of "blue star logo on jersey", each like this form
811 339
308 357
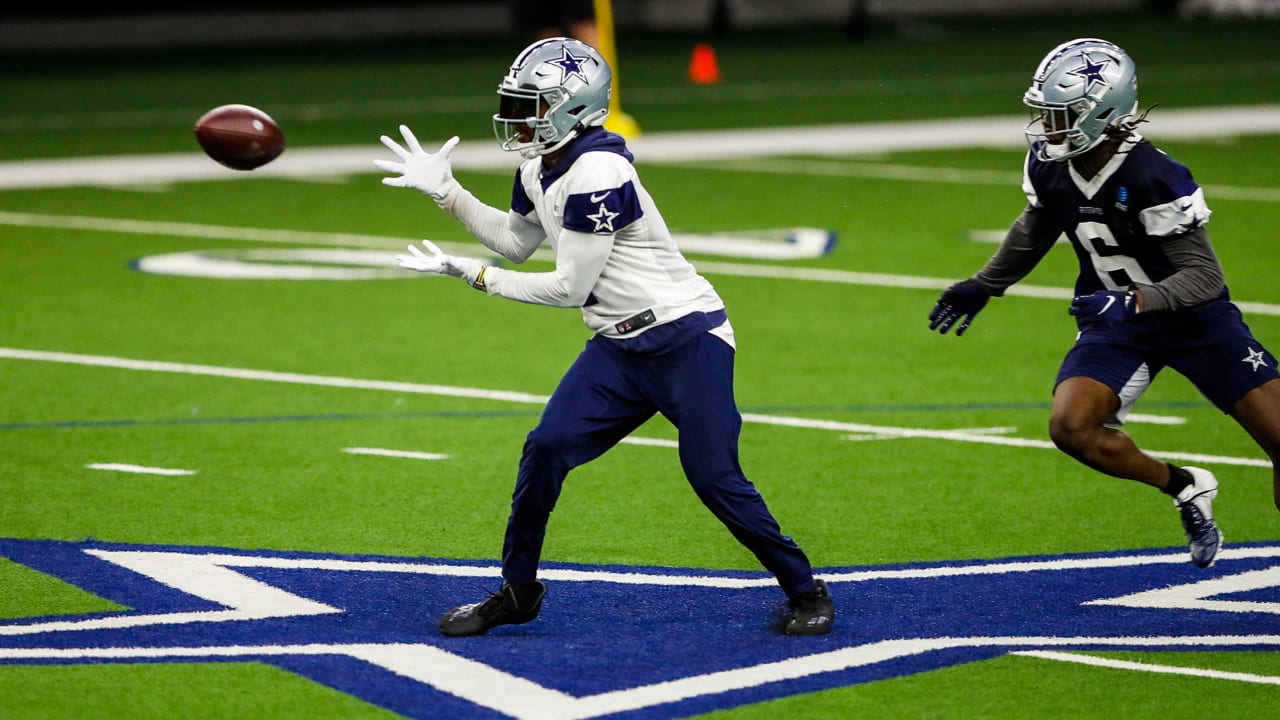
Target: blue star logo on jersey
1255 359
616 641
603 218
1091 71
570 65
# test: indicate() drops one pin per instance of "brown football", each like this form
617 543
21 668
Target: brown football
242 137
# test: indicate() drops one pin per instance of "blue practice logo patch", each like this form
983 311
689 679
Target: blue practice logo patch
1122 194
640 642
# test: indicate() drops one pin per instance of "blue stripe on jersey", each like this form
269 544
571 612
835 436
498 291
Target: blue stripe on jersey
603 212
520 201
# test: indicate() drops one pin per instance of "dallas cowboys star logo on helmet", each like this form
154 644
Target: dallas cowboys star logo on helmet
570 66
1091 71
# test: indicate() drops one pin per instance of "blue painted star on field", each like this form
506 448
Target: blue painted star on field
570 66
366 625
1091 71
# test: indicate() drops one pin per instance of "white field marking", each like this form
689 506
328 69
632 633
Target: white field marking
210 576
409 454
197 575
507 396
207 576
1155 419
778 244
653 442
1193 596
978 431
935 174
284 377
164 567
990 237
139 469
681 147
778 272
1148 667
525 700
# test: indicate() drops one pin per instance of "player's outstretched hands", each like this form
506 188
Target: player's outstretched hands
1105 308
435 261
429 172
963 300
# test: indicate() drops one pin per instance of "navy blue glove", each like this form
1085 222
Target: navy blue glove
1105 308
964 300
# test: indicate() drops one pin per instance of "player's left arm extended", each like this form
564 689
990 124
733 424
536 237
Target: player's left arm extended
1198 278
580 258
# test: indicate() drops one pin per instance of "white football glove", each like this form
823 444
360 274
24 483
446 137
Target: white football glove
428 172
469 269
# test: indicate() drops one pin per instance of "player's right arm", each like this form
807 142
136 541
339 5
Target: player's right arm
511 235
1025 245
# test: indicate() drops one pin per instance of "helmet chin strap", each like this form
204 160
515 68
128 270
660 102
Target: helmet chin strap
568 137
1058 151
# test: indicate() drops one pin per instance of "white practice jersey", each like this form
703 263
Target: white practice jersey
615 257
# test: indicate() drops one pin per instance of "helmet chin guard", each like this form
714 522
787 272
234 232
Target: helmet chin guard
1080 90
554 89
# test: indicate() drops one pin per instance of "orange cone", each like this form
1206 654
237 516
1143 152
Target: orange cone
703 69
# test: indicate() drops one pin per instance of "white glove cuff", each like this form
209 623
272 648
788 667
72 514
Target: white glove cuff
443 195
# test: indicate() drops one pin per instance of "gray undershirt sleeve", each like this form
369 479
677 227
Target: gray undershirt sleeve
1024 246
1197 279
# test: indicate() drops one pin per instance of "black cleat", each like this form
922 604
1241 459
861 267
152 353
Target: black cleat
505 607
811 614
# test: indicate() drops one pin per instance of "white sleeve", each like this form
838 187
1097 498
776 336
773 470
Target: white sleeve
580 258
509 234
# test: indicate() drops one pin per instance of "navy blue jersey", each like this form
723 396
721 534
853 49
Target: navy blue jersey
1117 219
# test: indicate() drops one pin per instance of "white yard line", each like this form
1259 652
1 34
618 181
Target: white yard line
138 469
1148 667
527 398
1155 419
679 147
383 452
931 174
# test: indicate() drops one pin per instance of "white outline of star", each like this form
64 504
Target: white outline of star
1255 358
1087 70
567 61
603 218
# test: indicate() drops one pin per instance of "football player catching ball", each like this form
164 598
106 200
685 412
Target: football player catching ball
662 341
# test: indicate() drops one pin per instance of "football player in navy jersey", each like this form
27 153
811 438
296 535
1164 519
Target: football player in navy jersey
662 340
1150 293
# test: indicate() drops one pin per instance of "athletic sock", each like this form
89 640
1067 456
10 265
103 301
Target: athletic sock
1179 479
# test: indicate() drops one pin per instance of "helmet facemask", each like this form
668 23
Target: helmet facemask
554 90
523 122
1081 92
1055 131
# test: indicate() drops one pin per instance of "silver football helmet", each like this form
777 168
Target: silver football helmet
555 89
1080 90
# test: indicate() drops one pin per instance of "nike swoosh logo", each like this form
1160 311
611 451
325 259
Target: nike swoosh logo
601 196
1110 299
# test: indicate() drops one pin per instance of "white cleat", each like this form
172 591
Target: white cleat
1195 504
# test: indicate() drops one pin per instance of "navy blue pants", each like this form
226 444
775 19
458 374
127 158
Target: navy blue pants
608 392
